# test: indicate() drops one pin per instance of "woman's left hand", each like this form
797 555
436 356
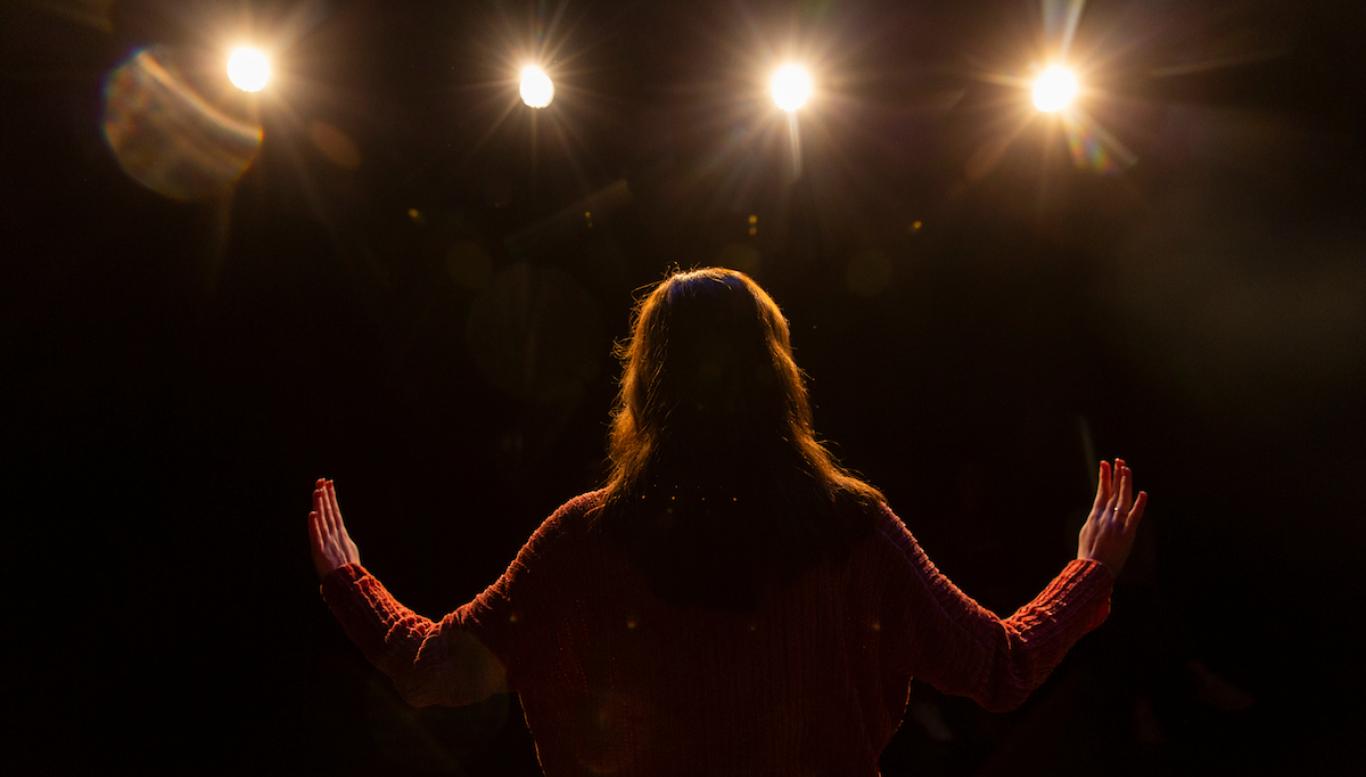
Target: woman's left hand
331 545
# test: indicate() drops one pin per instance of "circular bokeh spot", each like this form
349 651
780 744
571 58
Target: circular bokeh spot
178 129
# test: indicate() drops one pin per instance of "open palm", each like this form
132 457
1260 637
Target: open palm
1108 534
331 545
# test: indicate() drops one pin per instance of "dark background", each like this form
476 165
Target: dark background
426 316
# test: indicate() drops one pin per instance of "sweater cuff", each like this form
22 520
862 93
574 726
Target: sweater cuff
361 606
1092 563
340 578
341 590
1091 582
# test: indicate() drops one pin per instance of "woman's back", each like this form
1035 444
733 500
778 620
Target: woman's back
630 680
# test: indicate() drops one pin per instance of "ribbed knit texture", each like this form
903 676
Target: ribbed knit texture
614 681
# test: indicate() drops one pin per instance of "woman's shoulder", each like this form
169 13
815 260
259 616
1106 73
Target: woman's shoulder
573 514
885 532
556 533
870 513
582 504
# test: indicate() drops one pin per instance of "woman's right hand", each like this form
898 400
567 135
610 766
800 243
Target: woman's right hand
1108 534
329 541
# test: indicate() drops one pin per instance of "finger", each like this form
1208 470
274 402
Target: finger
325 509
1136 514
1100 488
1121 482
320 510
317 496
331 493
316 547
1126 494
1113 493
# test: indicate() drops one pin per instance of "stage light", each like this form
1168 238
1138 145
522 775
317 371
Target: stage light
248 68
1054 89
537 89
790 87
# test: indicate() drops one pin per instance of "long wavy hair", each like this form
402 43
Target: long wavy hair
715 472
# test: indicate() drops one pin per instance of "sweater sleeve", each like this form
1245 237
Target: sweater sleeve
964 649
471 653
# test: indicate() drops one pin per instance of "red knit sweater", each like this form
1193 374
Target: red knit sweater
614 681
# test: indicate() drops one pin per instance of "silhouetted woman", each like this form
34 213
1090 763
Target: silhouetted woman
731 601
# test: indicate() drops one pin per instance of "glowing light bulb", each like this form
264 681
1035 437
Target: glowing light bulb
1054 89
537 89
248 68
790 87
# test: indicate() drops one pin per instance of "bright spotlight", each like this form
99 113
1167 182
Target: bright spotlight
537 89
1054 89
790 87
248 68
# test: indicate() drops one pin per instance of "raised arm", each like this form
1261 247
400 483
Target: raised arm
430 662
469 654
964 649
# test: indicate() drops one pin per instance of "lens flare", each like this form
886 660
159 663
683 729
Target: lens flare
537 89
790 87
176 129
1093 148
248 68
1055 89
